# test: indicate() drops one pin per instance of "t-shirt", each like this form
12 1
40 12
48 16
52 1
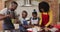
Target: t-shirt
24 21
7 20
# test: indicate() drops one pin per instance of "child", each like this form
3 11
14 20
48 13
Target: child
34 20
24 22
45 14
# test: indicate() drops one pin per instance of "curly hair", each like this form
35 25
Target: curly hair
25 12
44 5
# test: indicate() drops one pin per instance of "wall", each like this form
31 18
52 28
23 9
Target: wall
58 1
28 9
53 6
1 4
59 9
1 7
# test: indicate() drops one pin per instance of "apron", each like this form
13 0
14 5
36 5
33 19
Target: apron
34 22
25 22
8 25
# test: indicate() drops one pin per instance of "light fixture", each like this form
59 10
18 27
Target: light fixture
27 3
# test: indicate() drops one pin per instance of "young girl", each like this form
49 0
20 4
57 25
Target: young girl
45 14
24 22
34 20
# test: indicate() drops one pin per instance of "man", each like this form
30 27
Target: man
7 14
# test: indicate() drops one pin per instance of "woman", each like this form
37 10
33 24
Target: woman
45 14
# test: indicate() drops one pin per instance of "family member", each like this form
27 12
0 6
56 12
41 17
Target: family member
24 22
45 14
7 14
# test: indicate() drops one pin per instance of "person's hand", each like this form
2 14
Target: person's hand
46 28
30 26
18 15
8 15
39 25
25 26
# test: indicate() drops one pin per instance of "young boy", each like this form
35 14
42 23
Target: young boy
24 22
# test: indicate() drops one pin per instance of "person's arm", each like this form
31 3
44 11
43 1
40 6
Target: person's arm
40 22
50 19
30 23
3 16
